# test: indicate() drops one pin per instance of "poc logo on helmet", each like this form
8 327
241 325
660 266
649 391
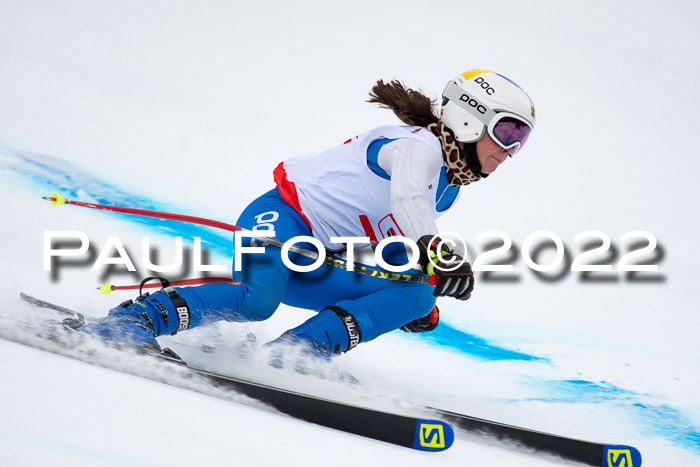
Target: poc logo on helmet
485 86
473 103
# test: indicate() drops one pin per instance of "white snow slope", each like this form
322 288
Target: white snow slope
188 106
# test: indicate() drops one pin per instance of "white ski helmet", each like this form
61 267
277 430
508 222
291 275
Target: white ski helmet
479 101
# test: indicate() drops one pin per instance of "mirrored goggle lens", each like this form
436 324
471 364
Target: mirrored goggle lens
509 131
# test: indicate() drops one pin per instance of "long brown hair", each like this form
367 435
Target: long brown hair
412 107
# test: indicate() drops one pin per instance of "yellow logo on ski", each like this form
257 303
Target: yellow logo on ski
431 436
619 458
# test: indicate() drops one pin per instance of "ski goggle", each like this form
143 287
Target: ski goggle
509 131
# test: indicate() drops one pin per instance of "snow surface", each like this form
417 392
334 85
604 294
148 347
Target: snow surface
188 106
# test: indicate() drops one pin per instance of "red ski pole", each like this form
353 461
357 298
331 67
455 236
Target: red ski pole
108 287
56 200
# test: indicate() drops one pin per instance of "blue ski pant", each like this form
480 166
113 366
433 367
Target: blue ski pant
377 305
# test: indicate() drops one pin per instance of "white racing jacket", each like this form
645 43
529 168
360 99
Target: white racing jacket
396 186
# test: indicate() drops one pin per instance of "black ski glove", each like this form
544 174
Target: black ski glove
457 283
425 324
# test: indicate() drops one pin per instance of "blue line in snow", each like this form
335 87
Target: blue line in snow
54 174
654 419
472 345
73 182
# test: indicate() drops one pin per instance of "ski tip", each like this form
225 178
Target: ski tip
619 456
433 435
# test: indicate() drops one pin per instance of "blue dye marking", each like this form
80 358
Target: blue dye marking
73 182
448 336
588 392
655 419
70 181
56 175
669 423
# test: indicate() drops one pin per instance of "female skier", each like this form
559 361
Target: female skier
392 180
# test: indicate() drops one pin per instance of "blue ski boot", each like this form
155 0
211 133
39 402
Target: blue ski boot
138 322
